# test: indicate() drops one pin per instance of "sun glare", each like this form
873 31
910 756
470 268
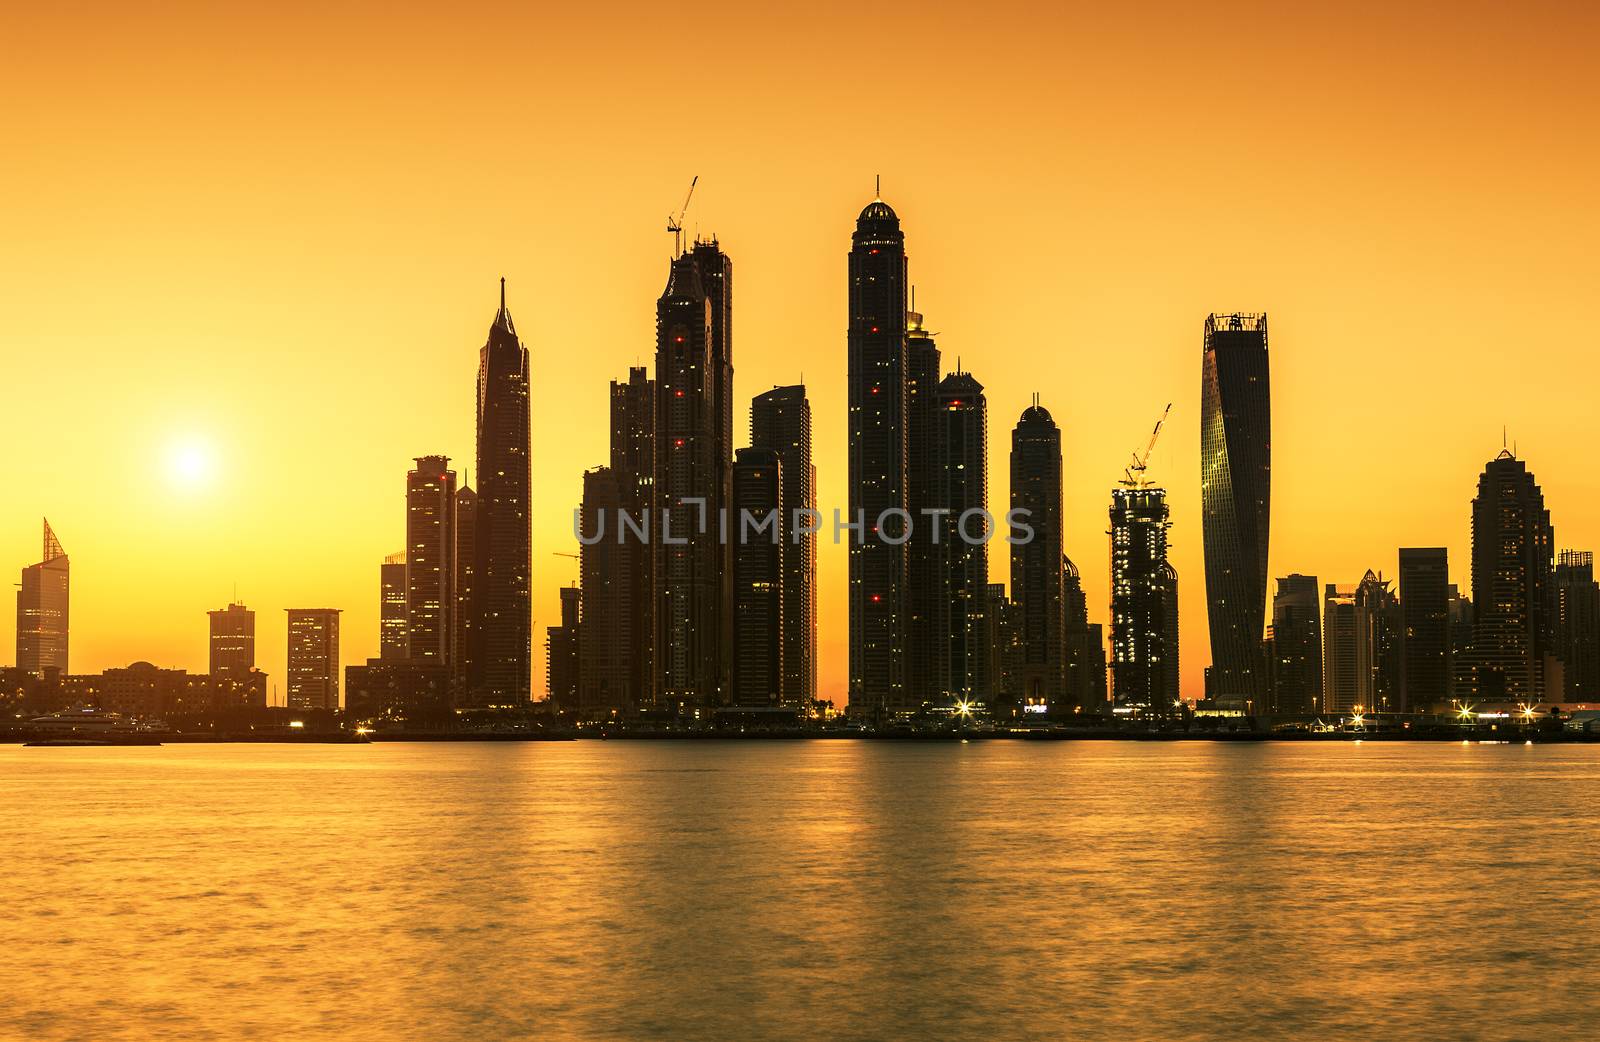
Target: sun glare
190 464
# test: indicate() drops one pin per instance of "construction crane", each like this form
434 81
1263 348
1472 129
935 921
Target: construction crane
675 224
1133 474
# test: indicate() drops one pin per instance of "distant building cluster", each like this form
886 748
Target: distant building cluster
675 618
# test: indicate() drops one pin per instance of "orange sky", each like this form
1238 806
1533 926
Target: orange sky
275 238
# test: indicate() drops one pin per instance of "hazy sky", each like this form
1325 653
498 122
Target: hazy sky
247 261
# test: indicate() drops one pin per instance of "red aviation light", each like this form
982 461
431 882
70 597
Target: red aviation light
679 443
679 393
875 597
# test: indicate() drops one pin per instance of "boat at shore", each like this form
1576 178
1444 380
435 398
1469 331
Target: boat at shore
90 741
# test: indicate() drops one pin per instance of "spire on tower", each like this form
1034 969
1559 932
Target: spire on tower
52 545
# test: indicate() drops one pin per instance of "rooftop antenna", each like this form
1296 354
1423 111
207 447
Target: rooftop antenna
877 186
502 293
675 224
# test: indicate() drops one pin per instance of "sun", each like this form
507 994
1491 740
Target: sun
190 463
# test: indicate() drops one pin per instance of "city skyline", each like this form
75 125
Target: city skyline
251 362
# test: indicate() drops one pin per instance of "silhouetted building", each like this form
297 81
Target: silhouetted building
1513 558
412 691
1036 576
605 628
311 679
430 560
877 471
42 614
1235 497
501 633
1463 676
758 576
464 638
1426 666
1144 670
1081 650
1340 688
927 640
1378 626
146 692
1577 625
961 436
780 420
1297 646
694 626
233 640
563 653
392 644
633 465
1005 649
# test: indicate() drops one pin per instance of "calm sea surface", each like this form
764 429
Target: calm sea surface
744 890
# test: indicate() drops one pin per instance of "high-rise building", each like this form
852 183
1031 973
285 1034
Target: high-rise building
877 464
466 621
694 626
1513 558
563 653
961 433
633 466
1036 562
501 635
431 560
1463 675
1082 647
716 278
1004 648
311 679
1144 660
927 654
1426 667
1378 627
756 532
1296 666
233 641
1339 672
42 611
780 420
1577 625
392 644
604 629
1235 498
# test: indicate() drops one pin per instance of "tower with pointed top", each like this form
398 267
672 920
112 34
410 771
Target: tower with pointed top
42 611
1513 565
1037 563
877 464
500 637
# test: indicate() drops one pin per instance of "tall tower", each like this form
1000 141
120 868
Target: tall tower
311 677
1297 646
1425 659
716 278
927 644
877 471
1513 558
1377 645
960 599
1577 625
1235 497
633 468
1036 565
430 560
1340 682
1144 673
758 577
501 651
466 562
563 652
780 420
233 641
42 611
604 632
694 628
392 645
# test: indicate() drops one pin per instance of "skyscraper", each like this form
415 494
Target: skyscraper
716 278
1426 668
633 467
1339 670
1036 563
466 561
694 627
430 560
1144 670
312 673
1378 625
758 578
563 652
1297 646
392 645
1513 558
501 652
233 641
961 489
1577 625
780 420
877 470
42 611
1235 498
927 637
604 632
1004 649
